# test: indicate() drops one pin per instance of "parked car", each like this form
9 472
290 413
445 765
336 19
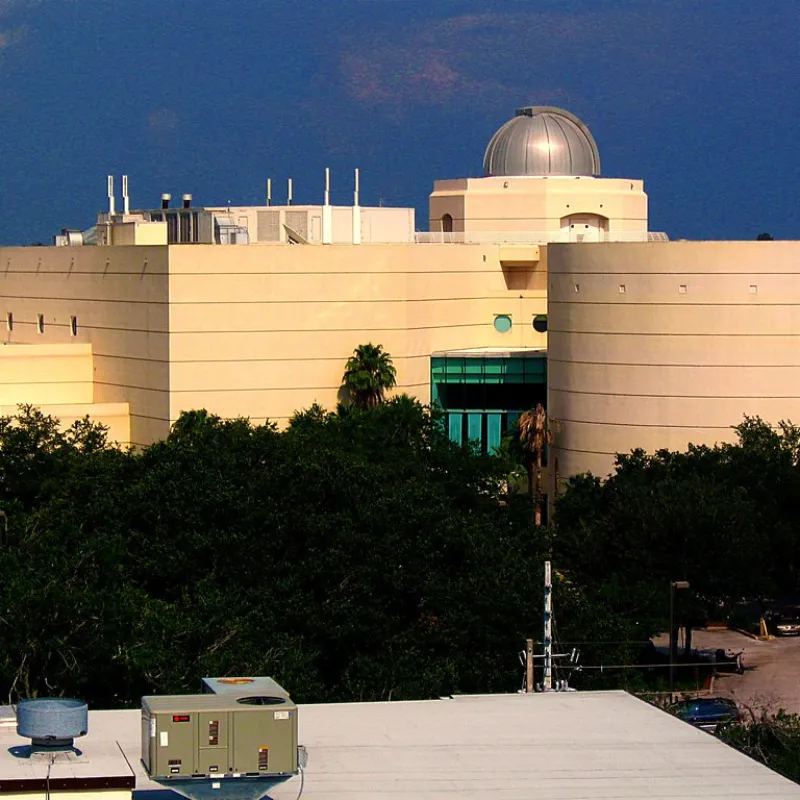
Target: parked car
788 626
707 712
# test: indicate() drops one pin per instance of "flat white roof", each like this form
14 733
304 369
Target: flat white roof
559 746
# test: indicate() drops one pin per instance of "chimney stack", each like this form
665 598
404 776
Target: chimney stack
187 201
165 198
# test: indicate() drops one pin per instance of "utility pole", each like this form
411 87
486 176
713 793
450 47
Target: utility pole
673 644
547 680
529 667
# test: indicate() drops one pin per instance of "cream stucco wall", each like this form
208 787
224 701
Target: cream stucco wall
93 794
264 331
537 203
59 380
659 345
260 331
119 297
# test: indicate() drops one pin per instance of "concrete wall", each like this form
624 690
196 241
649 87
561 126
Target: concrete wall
659 345
119 297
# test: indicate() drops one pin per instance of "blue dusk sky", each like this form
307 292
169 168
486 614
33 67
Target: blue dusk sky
700 98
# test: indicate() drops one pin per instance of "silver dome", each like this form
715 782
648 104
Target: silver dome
542 140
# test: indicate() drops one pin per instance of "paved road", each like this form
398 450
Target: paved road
772 669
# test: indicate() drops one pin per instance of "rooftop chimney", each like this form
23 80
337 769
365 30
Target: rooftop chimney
187 201
165 198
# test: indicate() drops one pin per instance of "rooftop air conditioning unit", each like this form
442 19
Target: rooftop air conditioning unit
238 729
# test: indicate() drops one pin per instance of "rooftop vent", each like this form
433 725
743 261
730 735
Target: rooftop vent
52 724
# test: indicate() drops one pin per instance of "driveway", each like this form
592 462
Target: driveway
772 669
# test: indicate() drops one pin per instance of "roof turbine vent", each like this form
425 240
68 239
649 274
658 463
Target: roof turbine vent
52 723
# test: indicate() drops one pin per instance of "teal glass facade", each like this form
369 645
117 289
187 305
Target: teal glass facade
483 395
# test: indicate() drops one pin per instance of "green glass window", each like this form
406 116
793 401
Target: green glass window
502 323
540 323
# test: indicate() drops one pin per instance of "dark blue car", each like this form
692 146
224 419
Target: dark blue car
707 712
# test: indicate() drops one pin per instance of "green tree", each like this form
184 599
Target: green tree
723 518
535 435
772 739
355 556
369 373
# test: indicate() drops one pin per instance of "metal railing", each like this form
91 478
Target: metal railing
535 237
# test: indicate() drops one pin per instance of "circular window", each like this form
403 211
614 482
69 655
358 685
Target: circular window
540 323
502 323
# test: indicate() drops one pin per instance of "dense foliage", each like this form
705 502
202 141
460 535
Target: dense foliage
358 555
772 739
726 519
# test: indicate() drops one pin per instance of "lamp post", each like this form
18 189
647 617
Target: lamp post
673 585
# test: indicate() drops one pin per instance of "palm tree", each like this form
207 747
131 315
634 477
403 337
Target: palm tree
534 436
368 374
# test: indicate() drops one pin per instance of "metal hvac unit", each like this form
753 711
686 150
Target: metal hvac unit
241 730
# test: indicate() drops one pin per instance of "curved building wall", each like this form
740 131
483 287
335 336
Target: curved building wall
659 345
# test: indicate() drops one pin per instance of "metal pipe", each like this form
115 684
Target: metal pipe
547 679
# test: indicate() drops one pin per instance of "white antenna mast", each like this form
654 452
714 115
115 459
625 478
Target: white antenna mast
327 186
269 191
356 209
289 199
111 207
126 204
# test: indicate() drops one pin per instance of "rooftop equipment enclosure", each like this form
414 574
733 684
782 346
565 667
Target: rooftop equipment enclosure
249 729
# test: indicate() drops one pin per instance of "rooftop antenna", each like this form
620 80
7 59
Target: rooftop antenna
327 213
547 641
269 191
356 210
126 204
289 198
111 207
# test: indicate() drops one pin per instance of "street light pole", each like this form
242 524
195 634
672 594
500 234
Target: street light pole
673 585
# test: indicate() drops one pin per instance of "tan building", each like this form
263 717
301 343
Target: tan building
253 311
661 345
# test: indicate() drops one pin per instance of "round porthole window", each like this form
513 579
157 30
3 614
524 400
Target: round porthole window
502 323
540 323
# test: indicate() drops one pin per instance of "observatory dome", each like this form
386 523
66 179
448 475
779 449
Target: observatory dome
542 140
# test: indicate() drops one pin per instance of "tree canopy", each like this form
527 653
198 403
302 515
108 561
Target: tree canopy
724 518
369 373
358 555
